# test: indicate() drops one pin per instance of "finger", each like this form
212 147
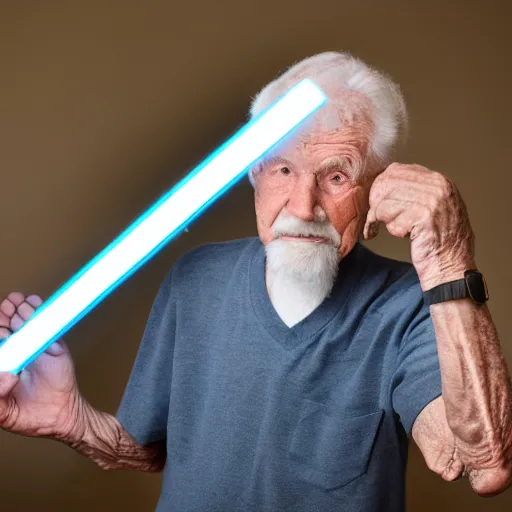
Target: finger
389 209
4 333
417 187
5 320
25 310
56 349
417 192
400 226
7 383
16 298
379 190
16 322
34 300
7 307
371 226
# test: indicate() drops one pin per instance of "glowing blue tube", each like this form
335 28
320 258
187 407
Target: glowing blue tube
157 226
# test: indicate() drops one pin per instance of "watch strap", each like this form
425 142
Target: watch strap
447 291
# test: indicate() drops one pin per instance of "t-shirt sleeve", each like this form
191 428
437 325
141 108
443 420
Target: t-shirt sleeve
417 376
144 406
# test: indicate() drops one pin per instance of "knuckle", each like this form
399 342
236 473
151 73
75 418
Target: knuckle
16 322
7 308
432 200
16 298
4 319
377 190
25 310
394 166
381 178
425 215
444 186
34 300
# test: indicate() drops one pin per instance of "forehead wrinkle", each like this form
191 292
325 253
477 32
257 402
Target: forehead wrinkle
347 136
350 154
349 157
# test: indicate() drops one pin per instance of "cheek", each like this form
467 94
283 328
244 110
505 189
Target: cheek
347 209
267 207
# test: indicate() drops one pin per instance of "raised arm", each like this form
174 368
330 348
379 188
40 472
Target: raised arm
467 431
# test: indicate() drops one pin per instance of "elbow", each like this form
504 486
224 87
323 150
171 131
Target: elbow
491 482
490 473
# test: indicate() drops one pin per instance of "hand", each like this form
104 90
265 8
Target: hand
43 400
414 201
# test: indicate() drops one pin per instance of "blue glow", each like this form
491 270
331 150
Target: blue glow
286 114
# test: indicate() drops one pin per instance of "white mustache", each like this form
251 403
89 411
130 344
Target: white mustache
292 226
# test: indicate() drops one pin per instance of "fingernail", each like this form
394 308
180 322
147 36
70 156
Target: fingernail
373 230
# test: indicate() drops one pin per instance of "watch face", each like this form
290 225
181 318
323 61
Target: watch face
477 286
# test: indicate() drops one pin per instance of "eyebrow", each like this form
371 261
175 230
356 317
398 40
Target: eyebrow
326 165
331 162
271 160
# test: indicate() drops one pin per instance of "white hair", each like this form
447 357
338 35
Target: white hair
352 88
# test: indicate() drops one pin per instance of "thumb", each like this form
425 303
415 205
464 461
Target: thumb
7 383
58 348
371 226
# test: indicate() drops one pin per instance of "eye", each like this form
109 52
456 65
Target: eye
338 178
285 170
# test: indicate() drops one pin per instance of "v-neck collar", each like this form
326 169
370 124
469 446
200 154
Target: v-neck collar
264 310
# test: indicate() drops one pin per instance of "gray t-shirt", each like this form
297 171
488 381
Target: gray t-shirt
261 417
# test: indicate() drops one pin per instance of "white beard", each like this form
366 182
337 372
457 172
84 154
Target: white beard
300 275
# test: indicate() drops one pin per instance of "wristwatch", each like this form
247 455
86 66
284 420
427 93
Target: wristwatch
473 286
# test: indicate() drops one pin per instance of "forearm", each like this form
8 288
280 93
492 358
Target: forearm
100 437
476 385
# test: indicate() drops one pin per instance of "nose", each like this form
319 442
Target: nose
302 202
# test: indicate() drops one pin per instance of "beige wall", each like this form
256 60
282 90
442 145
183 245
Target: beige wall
103 105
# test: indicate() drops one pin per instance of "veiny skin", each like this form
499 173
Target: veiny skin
44 401
467 431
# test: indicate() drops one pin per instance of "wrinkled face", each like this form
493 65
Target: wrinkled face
315 177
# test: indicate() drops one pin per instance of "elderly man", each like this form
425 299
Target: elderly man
287 372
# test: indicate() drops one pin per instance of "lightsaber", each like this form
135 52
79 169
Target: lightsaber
158 225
